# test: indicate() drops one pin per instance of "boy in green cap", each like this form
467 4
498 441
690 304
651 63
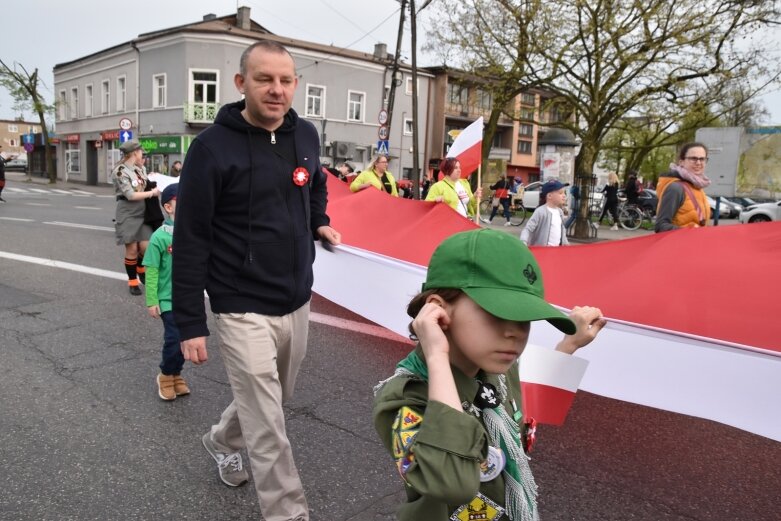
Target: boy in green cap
450 415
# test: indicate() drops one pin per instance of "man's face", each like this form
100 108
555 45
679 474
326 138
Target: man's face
268 87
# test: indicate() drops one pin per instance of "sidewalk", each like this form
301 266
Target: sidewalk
603 234
21 178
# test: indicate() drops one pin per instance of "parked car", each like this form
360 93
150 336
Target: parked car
734 208
648 200
764 212
743 202
16 164
724 210
531 195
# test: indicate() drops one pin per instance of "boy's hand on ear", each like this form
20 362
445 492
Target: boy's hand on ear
430 326
589 322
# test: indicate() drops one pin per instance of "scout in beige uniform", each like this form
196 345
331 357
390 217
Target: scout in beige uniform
130 182
450 415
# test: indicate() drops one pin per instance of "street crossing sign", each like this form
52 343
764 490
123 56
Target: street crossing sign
125 135
383 148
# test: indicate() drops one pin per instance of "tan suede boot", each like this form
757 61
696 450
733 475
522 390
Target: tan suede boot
165 387
180 386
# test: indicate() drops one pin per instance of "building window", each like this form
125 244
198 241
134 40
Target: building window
13 128
386 95
524 147
528 99
74 106
355 105
105 96
525 130
527 114
457 94
408 86
484 101
408 130
121 94
88 101
61 104
73 159
159 92
204 93
315 101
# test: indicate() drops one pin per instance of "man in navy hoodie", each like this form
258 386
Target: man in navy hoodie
250 205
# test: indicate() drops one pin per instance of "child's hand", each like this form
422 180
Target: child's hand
589 322
154 311
429 327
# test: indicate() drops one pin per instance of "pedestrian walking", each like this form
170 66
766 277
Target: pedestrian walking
546 225
501 197
2 176
158 262
682 199
610 191
130 186
249 209
451 415
376 175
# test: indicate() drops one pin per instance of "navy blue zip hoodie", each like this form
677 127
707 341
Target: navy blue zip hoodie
244 230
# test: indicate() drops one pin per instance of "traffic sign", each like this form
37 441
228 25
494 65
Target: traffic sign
383 148
382 117
125 135
382 133
28 147
125 124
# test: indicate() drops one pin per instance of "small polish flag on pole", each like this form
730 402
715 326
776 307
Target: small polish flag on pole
549 381
467 147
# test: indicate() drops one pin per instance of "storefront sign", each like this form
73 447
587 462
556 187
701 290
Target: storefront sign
111 135
72 138
161 144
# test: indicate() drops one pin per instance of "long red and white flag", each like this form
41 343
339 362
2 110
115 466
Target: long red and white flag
692 314
468 146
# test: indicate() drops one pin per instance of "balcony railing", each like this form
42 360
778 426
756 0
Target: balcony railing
200 112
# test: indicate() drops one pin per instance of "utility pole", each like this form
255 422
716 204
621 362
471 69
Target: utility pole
415 155
395 69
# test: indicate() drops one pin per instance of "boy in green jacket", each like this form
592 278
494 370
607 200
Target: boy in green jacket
451 414
158 261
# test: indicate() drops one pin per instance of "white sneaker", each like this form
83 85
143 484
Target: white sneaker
508 223
614 227
229 464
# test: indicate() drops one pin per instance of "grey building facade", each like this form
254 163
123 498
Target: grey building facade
168 86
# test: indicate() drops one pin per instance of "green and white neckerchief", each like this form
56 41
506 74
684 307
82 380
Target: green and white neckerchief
503 432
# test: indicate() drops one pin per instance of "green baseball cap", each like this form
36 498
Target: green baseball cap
497 271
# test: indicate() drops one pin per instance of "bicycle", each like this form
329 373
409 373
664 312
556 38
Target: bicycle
517 210
630 216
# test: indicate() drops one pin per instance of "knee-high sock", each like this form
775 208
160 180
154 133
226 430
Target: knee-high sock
130 268
141 269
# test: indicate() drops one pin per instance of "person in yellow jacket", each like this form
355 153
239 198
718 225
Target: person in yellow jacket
682 200
453 190
376 175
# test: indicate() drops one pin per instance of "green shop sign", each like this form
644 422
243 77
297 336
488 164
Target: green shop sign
161 144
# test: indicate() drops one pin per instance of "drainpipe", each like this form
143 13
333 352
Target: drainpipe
138 88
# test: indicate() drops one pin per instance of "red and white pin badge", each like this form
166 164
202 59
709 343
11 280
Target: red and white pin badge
300 176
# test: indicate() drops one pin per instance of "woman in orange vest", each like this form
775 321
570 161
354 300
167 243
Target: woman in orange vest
682 201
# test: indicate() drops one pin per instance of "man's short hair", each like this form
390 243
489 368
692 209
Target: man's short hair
266 45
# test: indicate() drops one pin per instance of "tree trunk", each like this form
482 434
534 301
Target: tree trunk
584 171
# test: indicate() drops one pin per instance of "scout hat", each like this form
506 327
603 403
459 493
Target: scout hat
129 146
497 271
169 192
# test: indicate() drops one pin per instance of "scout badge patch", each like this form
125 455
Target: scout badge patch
493 465
479 509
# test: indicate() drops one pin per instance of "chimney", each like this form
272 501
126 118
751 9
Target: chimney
242 18
380 51
210 16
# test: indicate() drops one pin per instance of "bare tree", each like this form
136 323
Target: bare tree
24 88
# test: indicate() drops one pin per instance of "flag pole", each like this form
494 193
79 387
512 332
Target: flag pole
479 186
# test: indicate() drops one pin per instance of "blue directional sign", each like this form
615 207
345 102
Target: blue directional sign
125 135
383 148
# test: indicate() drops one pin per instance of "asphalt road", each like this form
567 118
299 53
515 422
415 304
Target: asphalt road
84 436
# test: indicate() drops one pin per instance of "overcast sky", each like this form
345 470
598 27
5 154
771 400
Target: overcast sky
42 33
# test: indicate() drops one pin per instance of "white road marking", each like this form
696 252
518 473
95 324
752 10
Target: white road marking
320 318
39 190
84 226
18 219
37 204
58 191
87 208
81 192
